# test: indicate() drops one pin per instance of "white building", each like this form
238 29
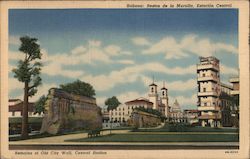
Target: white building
208 71
16 107
123 112
215 101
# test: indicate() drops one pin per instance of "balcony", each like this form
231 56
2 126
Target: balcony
207 67
234 80
207 78
215 116
211 93
208 108
235 92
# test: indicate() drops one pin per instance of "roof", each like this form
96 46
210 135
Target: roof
139 100
14 100
19 107
153 84
163 88
191 110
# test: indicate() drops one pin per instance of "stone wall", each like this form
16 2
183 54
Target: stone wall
141 119
70 112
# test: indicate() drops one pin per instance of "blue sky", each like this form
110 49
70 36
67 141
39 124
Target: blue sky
118 51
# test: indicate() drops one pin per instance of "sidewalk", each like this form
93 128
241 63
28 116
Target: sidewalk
60 139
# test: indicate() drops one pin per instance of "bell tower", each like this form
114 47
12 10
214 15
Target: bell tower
164 99
152 94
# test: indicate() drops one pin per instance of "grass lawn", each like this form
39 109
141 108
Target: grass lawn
162 138
183 128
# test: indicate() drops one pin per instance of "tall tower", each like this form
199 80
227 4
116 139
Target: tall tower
164 99
208 79
153 96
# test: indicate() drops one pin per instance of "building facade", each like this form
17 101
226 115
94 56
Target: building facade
226 105
235 93
191 116
176 115
123 112
160 102
208 79
215 99
16 108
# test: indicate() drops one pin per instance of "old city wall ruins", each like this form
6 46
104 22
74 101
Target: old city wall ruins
70 112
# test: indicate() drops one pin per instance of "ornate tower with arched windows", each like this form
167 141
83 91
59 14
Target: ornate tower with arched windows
164 99
153 96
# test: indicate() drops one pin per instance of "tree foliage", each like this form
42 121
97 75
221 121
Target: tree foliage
40 105
80 88
150 111
112 103
28 70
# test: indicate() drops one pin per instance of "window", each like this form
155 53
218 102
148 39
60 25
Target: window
205 104
13 113
203 75
152 89
204 89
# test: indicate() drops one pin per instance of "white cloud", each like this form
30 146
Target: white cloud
189 43
112 50
53 69
169 47
228 70
132 73
14 84
190 84
140 41
127 96
127 53
15 55
123 97
94 43
185 102
128 62
14 40
78 50
176 85
42 90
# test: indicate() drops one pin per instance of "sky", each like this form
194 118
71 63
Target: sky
119 51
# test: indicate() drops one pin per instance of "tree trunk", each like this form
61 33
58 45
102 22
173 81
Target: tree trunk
25 112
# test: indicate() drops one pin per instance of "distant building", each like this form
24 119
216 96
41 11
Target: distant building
15 117
123 112
235 93
160 103
176 114
16 109
226 104
191 116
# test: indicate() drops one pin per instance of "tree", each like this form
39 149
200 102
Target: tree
28 72
80 88
39 105
112 103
